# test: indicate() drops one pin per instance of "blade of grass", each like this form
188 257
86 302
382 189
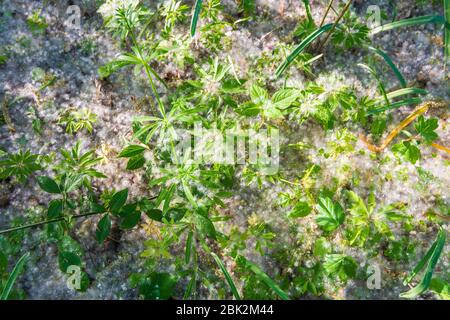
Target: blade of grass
18 268
227 276
308 10
299 49
266 279
380 83
391 65
433 259
195 16
403 92
409 22
190 287
395 105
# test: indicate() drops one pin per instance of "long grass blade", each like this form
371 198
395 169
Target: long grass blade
403 92
195 16
266 279
18 268
308 10
423 285
395 105
380 83
227 276
302 46
409 22
391 65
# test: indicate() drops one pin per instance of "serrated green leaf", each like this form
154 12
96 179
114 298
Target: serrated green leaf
426 127
341 266
330 214
300 210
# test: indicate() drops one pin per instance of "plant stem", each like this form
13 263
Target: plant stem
37 224
347 6
326 13
147 68
417 112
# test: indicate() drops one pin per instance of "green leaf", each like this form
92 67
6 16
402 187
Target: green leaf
154 214
340 265
55 209
136 162
188 248
285 97
441 288
118 200
258 95
409 22
405 91
205 226
132 151
391 65
407 150
18 268
301 209
158 286
330 215
48 185
426 127
103 228
195 16
431 258
395 105
67 259
227 276
131 220
302 46
263 277
321 247
3 262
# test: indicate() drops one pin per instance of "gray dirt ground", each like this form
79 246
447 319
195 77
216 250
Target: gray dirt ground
63 53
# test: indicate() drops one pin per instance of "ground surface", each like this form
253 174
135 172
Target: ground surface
74 56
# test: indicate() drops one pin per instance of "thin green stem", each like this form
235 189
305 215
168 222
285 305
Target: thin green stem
147 68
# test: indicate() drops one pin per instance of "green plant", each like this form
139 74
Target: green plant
37 23
19 165
78 120
429 260
18 269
